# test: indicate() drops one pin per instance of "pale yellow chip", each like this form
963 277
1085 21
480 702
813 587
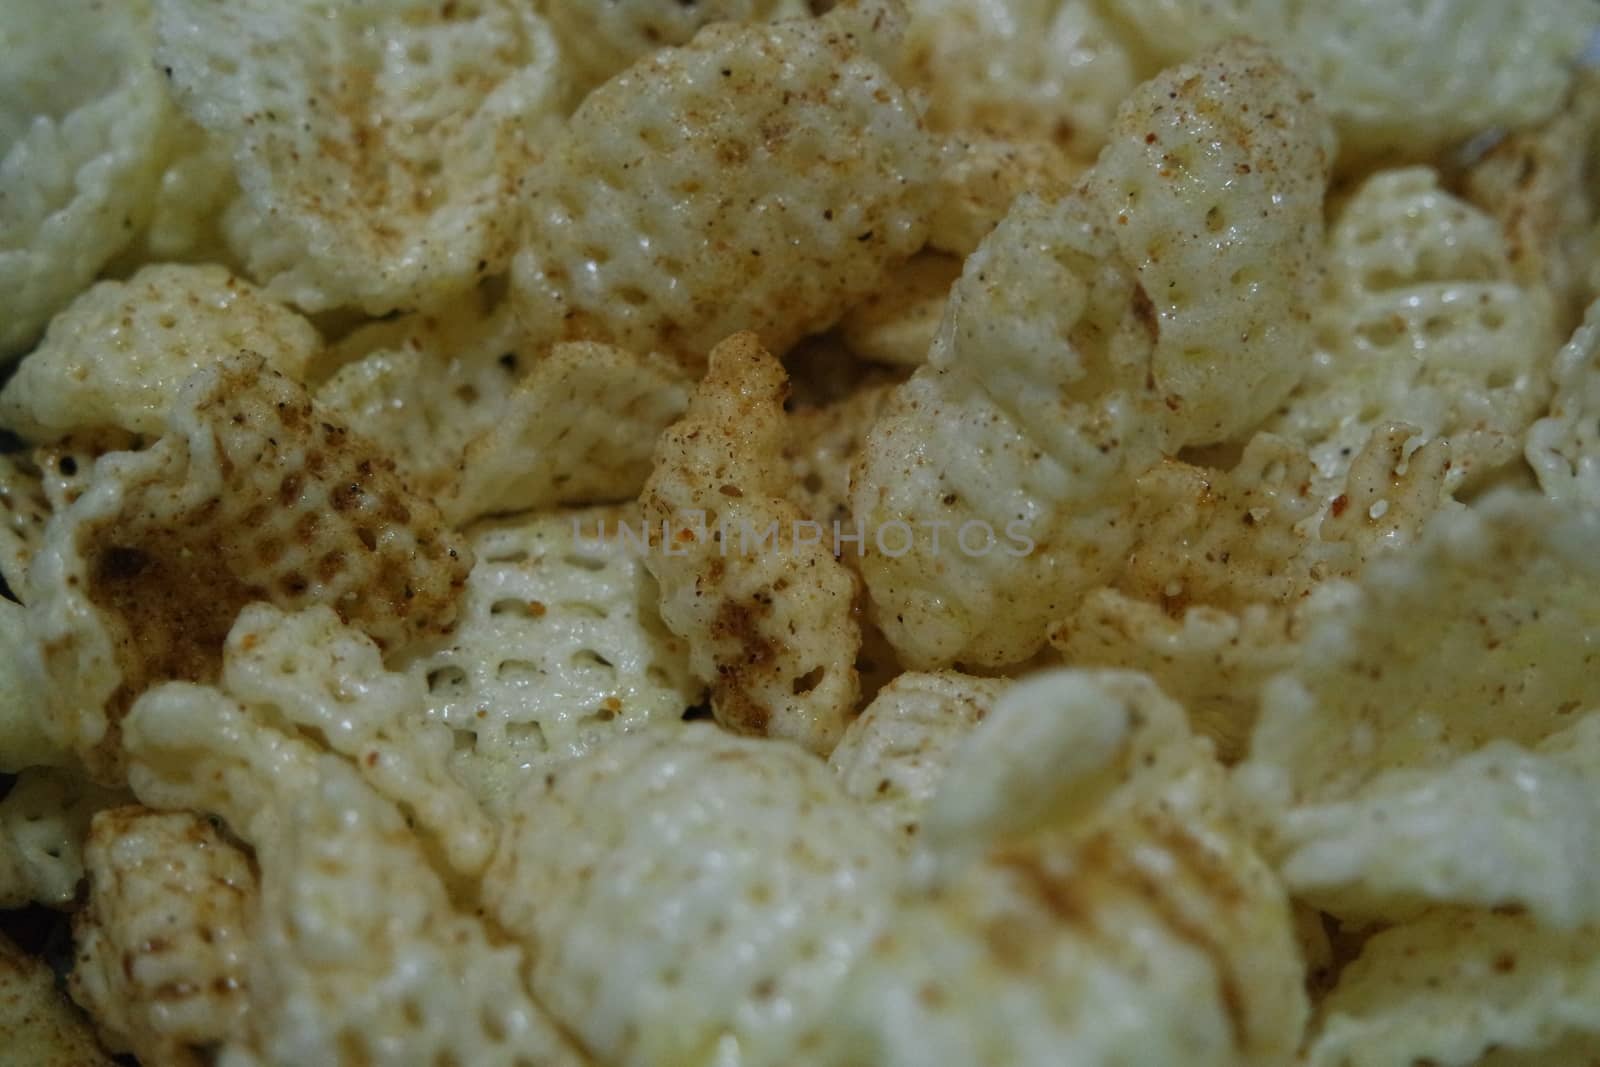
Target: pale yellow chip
378 146
84 128
747 579
894 755
1563 447
687 894
118 354
44 820
1422 320
560 647
25 735
24 510
40 1025
1464 989
1432 740
1088 896
980 177
165 938
1046 70
250 496
600 39
761 177
1397 78
825 440
1083 340
897 323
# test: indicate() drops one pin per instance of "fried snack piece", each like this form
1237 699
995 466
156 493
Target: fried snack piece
1464 989
1029 70
824 441
25 739
981 176
559 648
378 146
250 496
1397 79
761 177
24 510
684 891
1563 448
1085 339
894 755
43 822
1433 740
164 940
745 577
40 1026
84 132
1088 895
897 323
118 354
1423 320
600 39
360 956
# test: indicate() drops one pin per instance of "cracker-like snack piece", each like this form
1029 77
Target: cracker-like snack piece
1087 894
761 177
1162 304
1563 447
378 146
683 890
40 1026
897 324
117 355
165 938
746 578
44 820
250 496
559 648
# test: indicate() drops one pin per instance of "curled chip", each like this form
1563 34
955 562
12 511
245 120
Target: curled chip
894 755
83 130
1085 338
1563 448
40 1026
1397 79
43 822
600 39
164 941
250 496
1421 321
1432 741
377 146
762 177
745 577
1030 70
117 355
1087 896
559 647
685 891
1464 989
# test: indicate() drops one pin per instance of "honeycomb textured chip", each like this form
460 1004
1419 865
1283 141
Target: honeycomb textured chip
1432 739
359 955
1397 79
599 40
117 355
980 177
746 579
377 145
41 1027
761 177
898 323
24 510
684 891
824 443
164 941
83 129
250 496
44 820
1421 321
1040 70
1160 305
559 647
894 754
1087 896
1464 989
1563 447
579 429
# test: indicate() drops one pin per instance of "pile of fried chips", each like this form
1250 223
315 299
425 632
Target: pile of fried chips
754 532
